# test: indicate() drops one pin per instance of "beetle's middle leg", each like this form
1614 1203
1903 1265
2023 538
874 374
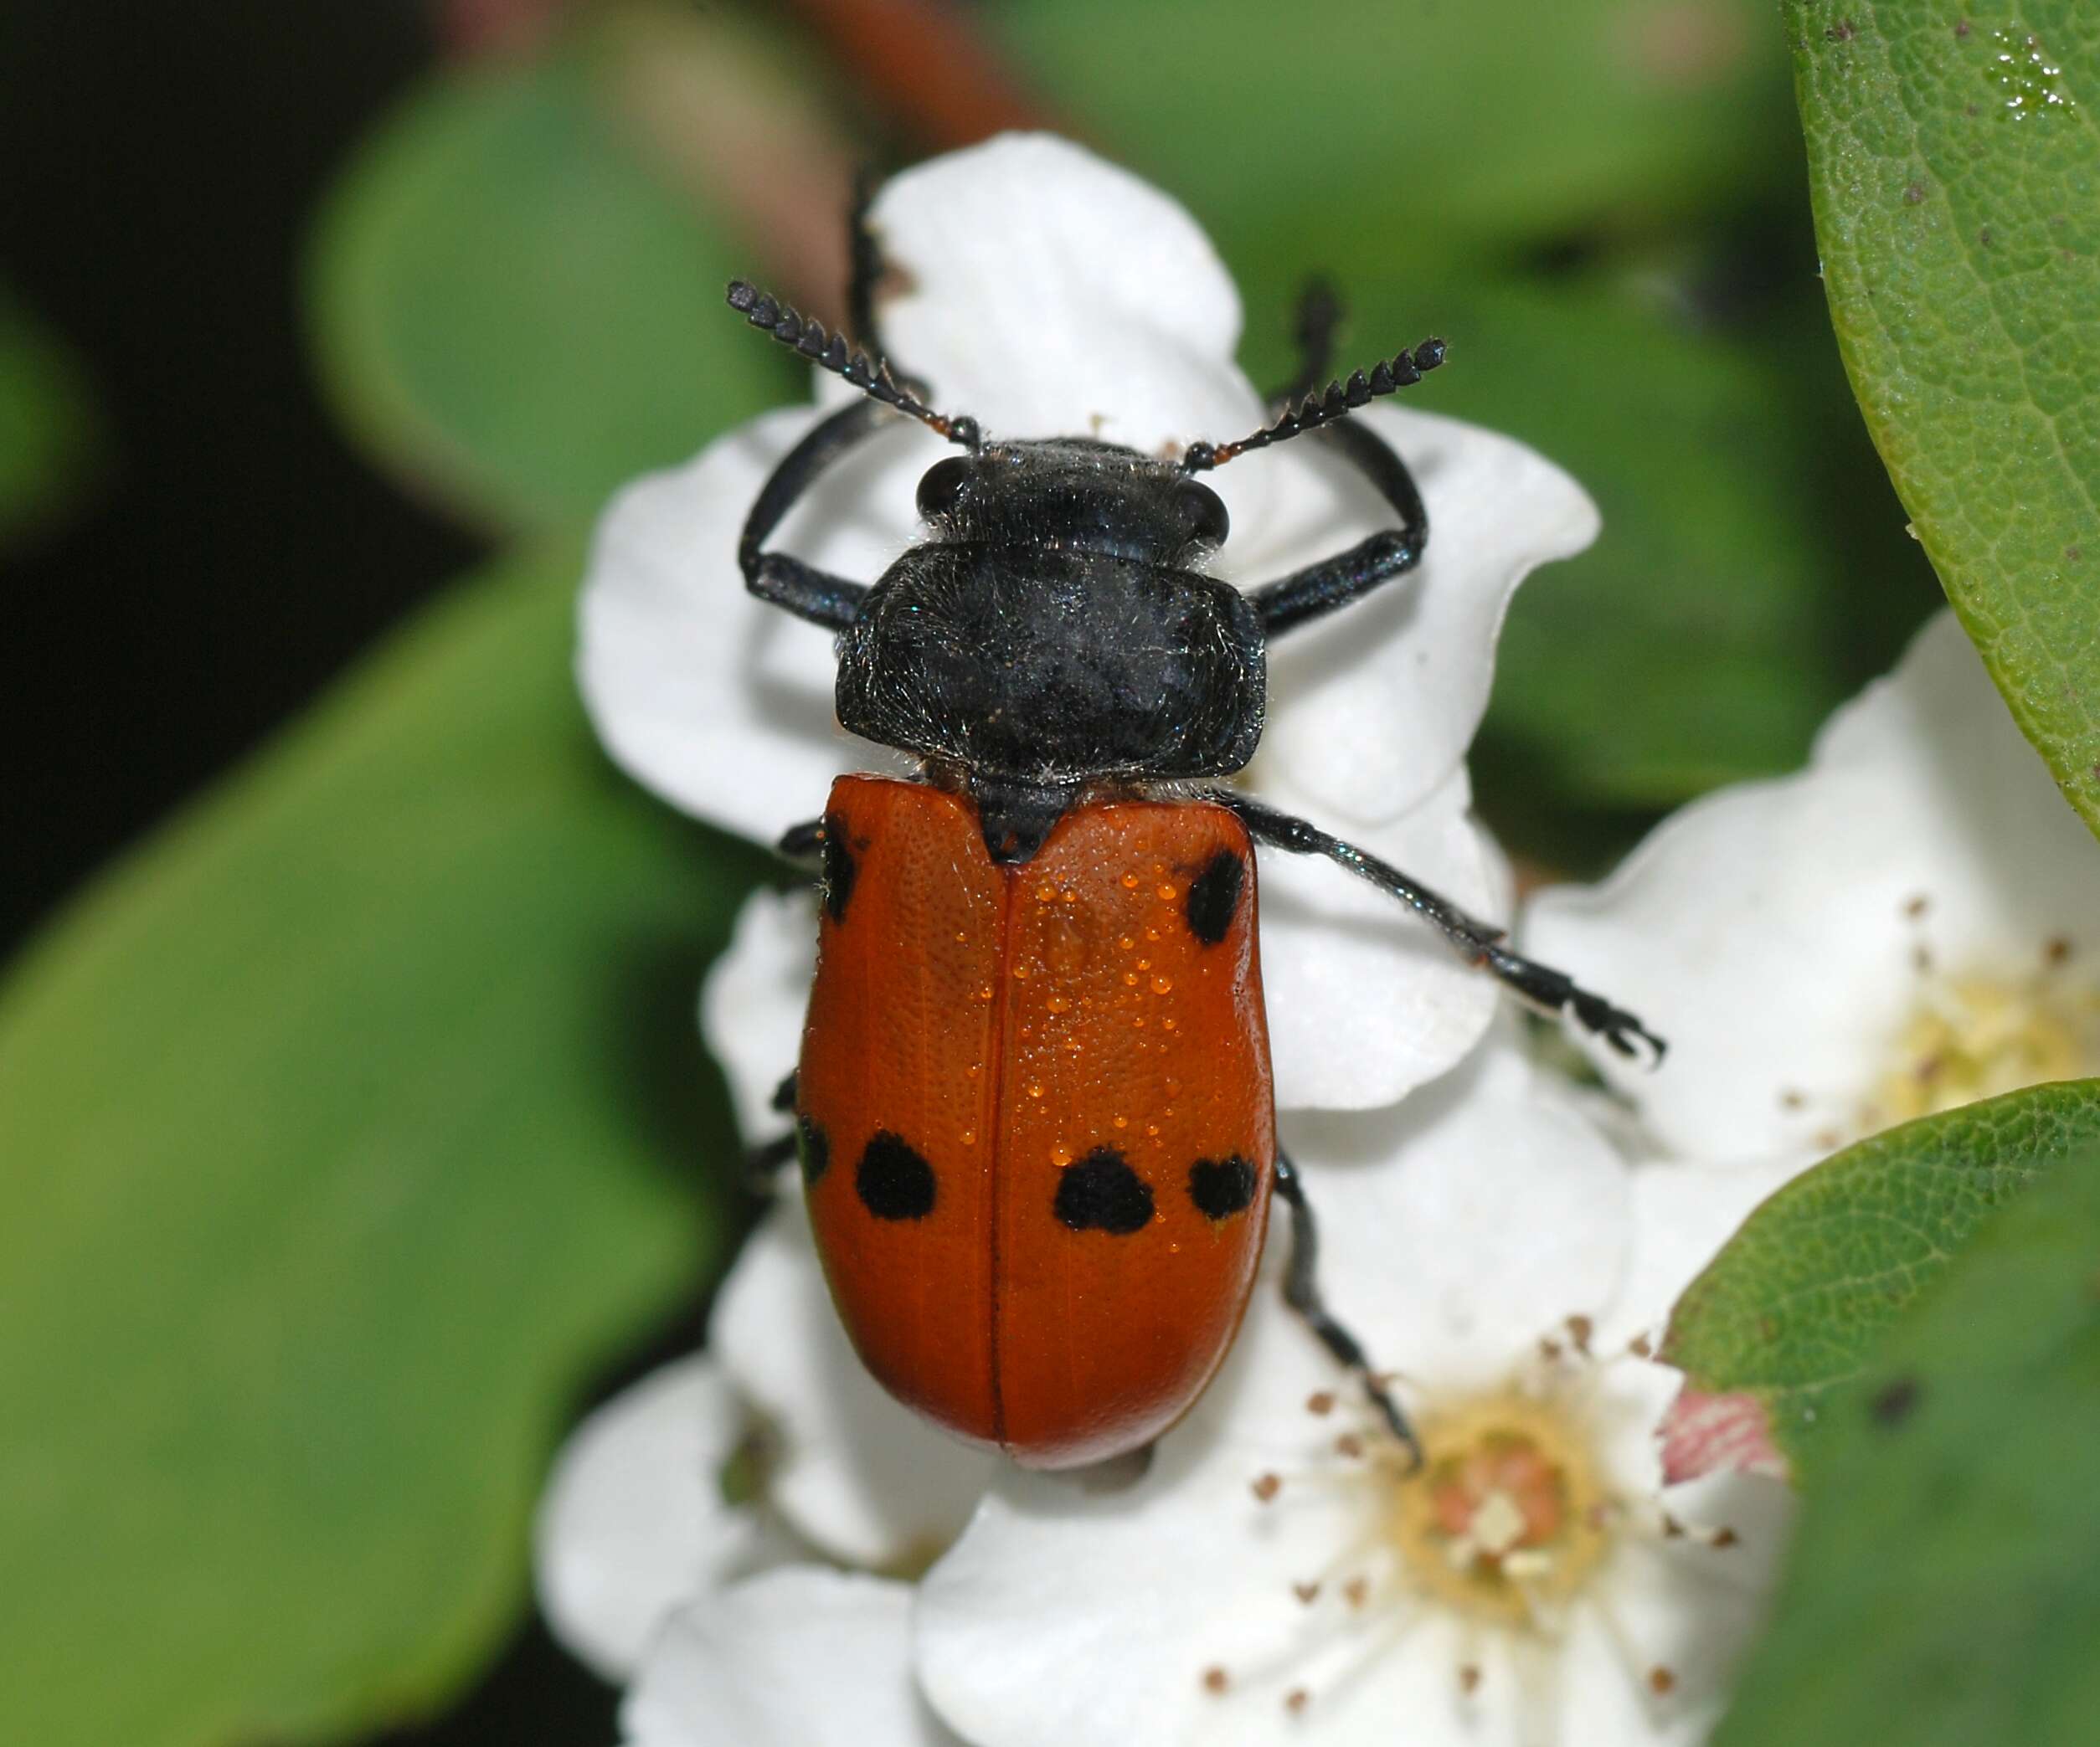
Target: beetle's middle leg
762 1163
1539 986
1301 1291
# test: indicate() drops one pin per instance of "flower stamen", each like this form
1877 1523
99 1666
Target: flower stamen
1977 1036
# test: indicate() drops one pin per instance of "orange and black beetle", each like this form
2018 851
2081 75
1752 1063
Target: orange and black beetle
1033 1108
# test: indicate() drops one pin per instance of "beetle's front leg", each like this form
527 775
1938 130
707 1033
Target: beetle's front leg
1539 985
800 588
1319 589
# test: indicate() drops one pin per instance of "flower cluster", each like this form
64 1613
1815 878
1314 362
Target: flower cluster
768 1549
1911 923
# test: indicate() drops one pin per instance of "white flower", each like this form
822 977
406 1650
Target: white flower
1049 293
1911 922
713 1612
860 1476
636 1521
863 1477
1537 1583
800 1657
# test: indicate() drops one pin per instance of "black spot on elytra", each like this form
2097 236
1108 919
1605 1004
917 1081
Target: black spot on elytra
813 1147
1894 1403
840 868
894 1182
1101 1193
1213 895
1221 1187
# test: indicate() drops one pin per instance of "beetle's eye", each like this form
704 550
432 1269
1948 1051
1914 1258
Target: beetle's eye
942 485
1203 513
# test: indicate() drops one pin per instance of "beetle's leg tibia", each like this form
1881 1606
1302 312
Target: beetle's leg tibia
1551 991
1301 1291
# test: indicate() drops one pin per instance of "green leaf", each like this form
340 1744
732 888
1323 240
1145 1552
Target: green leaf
347 1128
1301 128
48 434
1729 529
1955 169
1793 1309
1740 521
511 311
1945 1583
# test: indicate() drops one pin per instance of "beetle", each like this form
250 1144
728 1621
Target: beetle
1032 1109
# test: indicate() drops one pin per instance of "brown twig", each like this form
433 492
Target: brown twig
928 67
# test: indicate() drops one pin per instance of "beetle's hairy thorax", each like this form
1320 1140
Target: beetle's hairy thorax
1056 636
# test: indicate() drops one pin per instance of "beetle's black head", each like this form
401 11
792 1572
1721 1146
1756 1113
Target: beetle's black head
1072 494
1053 628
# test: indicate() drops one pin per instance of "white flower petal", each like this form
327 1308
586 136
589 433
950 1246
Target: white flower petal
753 1004
1367 1001
1757 1509
1682 1216
1626 1421
1677 1613
1771 931
1467 1224
719 702
634 1522
802 1656
1459 1231
863 1477
1050 293
1372 709
1066 1618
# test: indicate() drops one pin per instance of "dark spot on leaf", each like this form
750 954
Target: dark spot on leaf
1842 31
1914 193
1893 1403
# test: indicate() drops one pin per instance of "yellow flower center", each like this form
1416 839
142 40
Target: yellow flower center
1508 1518
1973 1037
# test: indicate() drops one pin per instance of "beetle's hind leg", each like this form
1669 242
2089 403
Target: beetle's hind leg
1301 1291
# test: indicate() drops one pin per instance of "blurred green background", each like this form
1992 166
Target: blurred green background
354 1133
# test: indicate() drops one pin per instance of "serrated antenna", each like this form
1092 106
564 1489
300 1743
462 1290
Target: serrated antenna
829 350
1388 376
